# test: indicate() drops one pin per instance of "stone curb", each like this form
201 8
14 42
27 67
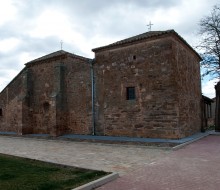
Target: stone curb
98 182
189 142
214 133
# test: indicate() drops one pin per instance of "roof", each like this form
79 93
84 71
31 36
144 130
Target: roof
56 54
146 35
207 99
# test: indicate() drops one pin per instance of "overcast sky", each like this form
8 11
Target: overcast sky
33 28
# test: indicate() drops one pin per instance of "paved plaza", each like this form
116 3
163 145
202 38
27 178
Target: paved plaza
108 157
194 167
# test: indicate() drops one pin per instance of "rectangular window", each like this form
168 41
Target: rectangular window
0 111
130 93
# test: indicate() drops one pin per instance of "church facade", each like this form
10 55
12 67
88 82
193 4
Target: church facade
144 86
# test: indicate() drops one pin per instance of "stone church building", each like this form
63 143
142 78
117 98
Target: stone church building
144 86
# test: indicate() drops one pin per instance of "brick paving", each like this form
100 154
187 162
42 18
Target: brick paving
108 157
194 167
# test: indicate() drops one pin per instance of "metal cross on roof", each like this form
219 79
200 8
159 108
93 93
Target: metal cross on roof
149 26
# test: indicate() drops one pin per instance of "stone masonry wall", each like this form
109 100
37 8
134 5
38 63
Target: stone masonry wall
42 88
53 96
78 91
3 100
188 85
61 97
11 104
49 97
148 67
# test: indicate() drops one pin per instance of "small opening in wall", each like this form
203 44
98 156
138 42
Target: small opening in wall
134 57
46 106
1 114
130 93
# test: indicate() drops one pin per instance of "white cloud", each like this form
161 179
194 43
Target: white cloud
208 88
9 44
51 22
7 11
29 29
26 57
10 73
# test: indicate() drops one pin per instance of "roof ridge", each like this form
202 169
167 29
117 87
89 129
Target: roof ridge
55 54
144 35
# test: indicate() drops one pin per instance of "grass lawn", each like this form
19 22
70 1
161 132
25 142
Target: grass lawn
25 174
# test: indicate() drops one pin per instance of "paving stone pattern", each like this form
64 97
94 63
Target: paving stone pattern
114 158
195 167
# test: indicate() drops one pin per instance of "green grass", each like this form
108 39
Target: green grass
25 174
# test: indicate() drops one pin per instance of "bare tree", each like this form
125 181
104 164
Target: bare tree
210 43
